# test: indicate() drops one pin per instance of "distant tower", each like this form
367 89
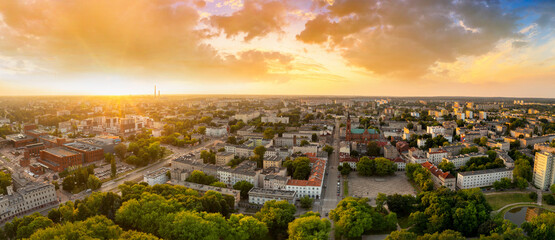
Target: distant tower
158 93
154 90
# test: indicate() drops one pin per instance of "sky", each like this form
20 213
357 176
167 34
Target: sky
280 47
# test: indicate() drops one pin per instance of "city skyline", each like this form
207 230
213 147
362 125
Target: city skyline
310 47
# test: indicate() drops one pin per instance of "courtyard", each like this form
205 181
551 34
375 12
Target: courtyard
369 187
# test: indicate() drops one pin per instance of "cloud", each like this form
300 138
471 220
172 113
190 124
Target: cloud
255 19
141 37
405 38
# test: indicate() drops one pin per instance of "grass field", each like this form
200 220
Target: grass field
346 187
499 200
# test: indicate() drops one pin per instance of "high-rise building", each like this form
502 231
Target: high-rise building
544 170
154 90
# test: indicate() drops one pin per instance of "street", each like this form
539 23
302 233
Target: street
331 199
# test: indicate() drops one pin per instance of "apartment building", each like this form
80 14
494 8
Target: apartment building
158 176
482 178
260 196
439 177
223 158
460 160
544 170
436 155
26 199
275 119
313 186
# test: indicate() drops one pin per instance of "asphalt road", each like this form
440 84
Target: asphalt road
331 199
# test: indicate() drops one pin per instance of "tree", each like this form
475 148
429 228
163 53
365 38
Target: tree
353 216
533 196
403 205
276 215
552 188
269 133
384 166
304 143
260 151
345 169
446 166
113 168
108 157
328 149
98 227
549 199
522 169
314 137
309 227
219 184
503 183
244 187
521 183
208 157
541 227
120 150
200 178
366 166
93 182
401 235
5 181
373 149
306 202
231 140
447 234
68 184
246 227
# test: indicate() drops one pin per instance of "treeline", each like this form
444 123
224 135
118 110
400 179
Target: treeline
420 176
80 179
165 212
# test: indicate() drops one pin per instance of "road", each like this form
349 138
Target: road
331 199
137 174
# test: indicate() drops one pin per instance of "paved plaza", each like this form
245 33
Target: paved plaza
369 187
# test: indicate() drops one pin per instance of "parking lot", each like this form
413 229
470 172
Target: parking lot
369 187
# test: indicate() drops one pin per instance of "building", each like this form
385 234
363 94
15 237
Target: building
60 158
390 152
436 155
223 158
216 131
483 115
202 189
245 171
525 142
460 160
546 147
275 119
505 146
439 177
346 158
260 196
19 140
358 134
313 186
544 170
106 142
401 164
482 178
158 176
26 199
271 162
90 153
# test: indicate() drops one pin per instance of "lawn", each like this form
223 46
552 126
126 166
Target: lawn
346 187
499 200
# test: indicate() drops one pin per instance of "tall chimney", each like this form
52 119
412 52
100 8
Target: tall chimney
154 90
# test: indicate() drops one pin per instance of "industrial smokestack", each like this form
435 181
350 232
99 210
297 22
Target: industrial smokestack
154 90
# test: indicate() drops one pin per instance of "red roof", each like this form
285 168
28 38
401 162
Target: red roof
436 171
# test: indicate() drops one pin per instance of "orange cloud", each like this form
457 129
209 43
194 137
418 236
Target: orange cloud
405 38
256 19
123 36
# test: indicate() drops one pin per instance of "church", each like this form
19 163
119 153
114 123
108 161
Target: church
360 135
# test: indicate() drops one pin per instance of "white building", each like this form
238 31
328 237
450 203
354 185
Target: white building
157 176
245 117
63 113
460 160
436 155
482 178
216 131
435 130
26 199
275 119
260 196
313 186
544 170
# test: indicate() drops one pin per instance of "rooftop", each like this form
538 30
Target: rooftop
486 171
61 151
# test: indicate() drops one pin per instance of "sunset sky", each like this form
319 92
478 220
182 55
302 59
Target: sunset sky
306 47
